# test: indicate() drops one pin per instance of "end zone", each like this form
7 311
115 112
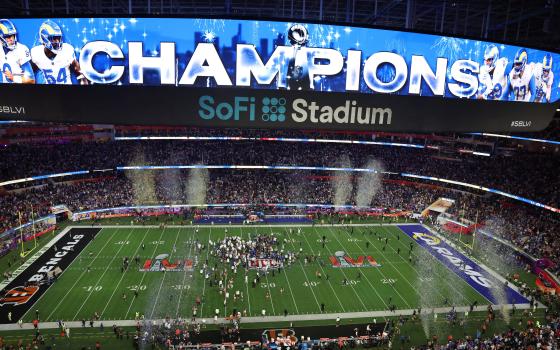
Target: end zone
478 278
26 288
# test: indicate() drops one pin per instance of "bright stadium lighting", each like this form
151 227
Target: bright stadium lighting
278 139
516 138
481 154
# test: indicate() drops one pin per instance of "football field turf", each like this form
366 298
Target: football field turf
104 289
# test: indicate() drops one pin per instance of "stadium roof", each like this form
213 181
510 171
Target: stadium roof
533 23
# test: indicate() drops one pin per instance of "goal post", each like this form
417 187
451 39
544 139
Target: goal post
22 237
458 230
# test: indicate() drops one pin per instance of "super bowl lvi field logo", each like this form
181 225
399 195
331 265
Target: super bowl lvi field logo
162 263
341 259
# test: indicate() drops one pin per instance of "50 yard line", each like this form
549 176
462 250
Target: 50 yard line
287 280
247 284
265 275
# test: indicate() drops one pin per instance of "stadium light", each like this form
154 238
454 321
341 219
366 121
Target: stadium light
12 121
277 139
42 177
481 154
515 137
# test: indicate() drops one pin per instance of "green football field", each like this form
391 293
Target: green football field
407 281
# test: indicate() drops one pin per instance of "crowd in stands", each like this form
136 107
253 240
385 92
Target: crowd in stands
528 334
525 333
530 175
179 334
528 228
169 333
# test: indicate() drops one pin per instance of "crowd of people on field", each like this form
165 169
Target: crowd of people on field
237 252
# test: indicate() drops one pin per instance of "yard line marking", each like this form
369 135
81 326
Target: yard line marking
382 274
440 263
289 285
164 274
100 278
413 267
270 294
204 286
247 284
122 274
305 273
145 273
226 282
353 289
322 269
184 278
266 276
83 272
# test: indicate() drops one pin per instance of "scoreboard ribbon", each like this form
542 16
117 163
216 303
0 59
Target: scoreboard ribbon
269 74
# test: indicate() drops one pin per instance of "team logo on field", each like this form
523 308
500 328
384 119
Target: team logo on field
18 295
162 263
429 239
341 259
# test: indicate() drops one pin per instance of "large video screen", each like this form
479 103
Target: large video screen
327 75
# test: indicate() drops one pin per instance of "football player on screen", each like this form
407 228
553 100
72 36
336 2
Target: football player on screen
493 77
544 78
54 59
15 57
522 78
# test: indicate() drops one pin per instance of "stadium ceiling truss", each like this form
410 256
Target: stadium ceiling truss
533 23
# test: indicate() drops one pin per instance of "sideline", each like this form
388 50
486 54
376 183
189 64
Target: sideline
269 319
246 226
